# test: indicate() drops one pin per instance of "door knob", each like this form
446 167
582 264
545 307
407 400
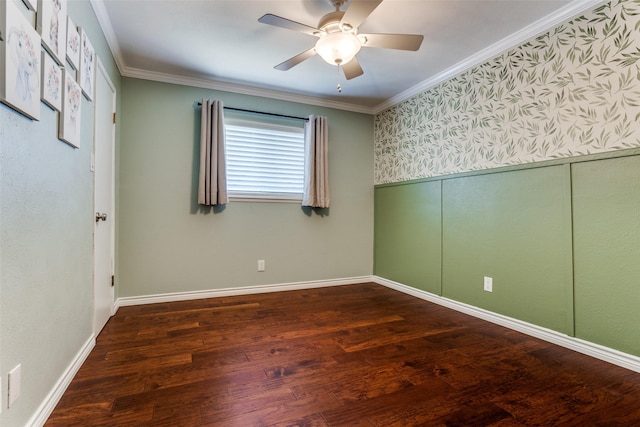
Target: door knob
101 216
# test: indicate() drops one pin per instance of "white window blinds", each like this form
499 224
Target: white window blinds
264 160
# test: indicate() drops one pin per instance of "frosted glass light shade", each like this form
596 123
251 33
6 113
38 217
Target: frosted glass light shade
338 48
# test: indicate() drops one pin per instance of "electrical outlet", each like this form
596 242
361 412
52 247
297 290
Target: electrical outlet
488 284
260 265
14 385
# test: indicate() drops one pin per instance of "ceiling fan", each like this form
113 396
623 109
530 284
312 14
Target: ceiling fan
338 37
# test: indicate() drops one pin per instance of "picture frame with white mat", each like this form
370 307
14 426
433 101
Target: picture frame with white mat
20 59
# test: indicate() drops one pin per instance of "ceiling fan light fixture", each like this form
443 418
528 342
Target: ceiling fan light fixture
338 48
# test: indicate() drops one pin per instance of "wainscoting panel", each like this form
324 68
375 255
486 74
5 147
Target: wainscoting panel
560 241
606 212
407 237
509 227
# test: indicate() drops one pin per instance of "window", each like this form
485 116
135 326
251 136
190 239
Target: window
265 158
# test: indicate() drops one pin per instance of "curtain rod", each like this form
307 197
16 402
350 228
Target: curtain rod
306 119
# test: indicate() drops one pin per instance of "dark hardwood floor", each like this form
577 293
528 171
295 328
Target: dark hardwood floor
360 355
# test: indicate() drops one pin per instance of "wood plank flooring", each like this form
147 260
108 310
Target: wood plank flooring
358 355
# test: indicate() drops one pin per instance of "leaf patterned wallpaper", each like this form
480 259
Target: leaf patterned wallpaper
572 91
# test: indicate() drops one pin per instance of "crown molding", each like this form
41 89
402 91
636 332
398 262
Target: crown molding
109 34
573 9
566 13
242 89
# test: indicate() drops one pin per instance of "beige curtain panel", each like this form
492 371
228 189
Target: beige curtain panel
316 173
212 187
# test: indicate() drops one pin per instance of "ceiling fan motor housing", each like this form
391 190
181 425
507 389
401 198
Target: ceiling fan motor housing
330 23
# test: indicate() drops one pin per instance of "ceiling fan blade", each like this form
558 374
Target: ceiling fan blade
394 41
288 24
352 69
292 62
358 11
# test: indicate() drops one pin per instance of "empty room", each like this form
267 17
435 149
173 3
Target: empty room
319 213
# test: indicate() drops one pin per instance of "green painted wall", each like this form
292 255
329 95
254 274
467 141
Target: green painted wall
46 242
559 241
508 226
407 237
167 243
606 222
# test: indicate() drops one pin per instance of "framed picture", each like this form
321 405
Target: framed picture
19 61
31 4
86 76
51 82
52 24
73 44
69 120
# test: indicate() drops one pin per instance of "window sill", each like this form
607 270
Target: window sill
265 197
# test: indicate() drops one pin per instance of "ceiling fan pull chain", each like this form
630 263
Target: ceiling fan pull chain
339 87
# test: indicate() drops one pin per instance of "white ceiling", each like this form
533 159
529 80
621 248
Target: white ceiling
220 44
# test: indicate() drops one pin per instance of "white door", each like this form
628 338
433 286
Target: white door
104 231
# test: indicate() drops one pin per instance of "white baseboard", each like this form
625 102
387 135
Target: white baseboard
607 354
245 290
48 405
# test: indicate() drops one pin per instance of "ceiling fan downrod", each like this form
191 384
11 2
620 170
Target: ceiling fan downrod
338 4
